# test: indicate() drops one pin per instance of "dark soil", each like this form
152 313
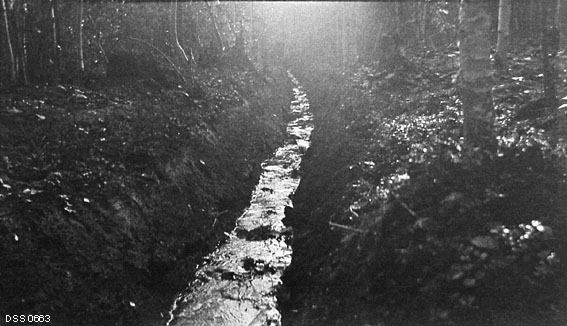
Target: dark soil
394 225
111 194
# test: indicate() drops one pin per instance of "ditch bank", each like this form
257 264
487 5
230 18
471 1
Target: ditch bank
112 194
318 200
391 228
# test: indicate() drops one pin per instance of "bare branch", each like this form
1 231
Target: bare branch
161 53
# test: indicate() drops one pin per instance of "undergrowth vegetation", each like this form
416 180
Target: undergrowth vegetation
417 226
110 195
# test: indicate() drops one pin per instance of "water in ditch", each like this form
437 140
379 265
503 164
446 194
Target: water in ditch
238 282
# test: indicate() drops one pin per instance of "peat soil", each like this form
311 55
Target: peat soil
111 193
394 225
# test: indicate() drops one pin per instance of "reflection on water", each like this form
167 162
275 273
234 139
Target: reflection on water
237 284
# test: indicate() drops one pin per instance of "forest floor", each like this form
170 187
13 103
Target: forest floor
111 194
396 224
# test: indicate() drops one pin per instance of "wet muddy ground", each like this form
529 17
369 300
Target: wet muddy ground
238 282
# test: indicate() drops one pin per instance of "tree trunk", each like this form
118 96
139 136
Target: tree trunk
475 74
338 36
504 14
12 61
352 36
229 42
195 40
54 14
560 23
175 32
549 49
239 42
344 44
216 32
97 40
81 52
22 55
423 22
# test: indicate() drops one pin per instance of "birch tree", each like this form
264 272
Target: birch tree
216 33
560 22
81 47
6 25
475 74
54 15
176 32
504 14
549 49
21 50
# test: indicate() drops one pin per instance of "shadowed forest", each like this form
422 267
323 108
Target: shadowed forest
433 191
